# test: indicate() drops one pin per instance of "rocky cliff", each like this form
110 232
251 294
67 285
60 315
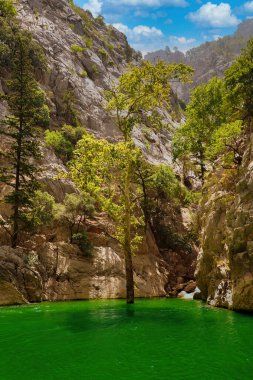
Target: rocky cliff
225 263
84 57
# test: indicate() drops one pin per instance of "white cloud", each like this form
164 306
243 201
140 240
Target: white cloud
182 43
151 3
94 6
142 37
182 40
138 31
214 15
216 37
248 7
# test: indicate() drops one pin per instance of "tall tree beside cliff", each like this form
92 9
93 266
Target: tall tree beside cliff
27 111
139 98
239 83
206 111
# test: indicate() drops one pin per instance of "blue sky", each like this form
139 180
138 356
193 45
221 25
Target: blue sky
153 24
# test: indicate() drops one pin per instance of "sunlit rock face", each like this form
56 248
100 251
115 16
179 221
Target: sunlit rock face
57 28
60 271
225 263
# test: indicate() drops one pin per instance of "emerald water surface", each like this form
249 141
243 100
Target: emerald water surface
100 340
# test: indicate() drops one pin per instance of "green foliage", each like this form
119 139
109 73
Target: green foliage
7 8
110 46
77 49
239 83
140 91
94 70
207 111
88 42
129 52
74 210
69 108
225 144
84 74
103 54
72 134
84 243
98 168
85 15
89 166
64 141
100 20
159 186
42 210
62 147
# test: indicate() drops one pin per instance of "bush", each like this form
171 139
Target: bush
72 134
62 147
81 239
100 20
42 210
76 49
84 74
110 46
73 212
69 102
88 42
103 54
94 70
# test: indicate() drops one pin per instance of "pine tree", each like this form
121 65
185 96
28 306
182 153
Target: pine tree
27 111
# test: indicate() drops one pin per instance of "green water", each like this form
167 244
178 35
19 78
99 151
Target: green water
159 339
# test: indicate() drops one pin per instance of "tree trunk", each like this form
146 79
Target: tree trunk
127 238
129 276
16 206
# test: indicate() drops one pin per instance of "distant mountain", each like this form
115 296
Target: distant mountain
208 59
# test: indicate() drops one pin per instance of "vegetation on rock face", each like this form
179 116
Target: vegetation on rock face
73 212
42 210
216 116
239 83
204 114
27 108
223 137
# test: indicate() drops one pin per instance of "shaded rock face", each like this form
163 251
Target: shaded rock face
225 263
59 271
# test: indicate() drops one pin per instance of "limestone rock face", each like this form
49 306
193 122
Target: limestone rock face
9 295
57 28
59 271
225 263
85 75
